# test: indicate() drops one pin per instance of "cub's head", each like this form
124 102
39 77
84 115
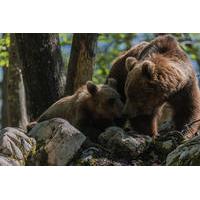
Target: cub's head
145 88
104 102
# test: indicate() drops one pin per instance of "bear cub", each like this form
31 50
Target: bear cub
91 109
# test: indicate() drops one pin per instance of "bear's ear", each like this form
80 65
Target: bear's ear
112 83
91 87
130 63
148 69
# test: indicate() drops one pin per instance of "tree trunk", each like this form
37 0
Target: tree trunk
16 92
5 108
14 104
42 69
81 62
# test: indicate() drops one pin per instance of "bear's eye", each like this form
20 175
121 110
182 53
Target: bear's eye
111 101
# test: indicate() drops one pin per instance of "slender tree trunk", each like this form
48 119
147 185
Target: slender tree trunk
14 104
5 108
16 92
81 62
42 70
1 98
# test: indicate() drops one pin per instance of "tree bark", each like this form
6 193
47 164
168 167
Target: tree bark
42 70
14 104
81 62
16 93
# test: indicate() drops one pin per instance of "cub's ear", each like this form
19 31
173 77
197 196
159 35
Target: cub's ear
112 83
130 63
91 87
148 69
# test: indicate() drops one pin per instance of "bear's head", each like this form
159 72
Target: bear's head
104 102
149 83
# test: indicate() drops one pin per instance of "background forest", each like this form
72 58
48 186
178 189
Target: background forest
54 65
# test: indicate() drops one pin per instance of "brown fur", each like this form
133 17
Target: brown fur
163 75
118 70
91 109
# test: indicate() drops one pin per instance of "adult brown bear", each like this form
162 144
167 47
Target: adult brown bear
119 72
163 74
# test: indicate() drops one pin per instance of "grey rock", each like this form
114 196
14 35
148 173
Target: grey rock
89 153
58 139
123 144
186 154
167 142
87 157
94 157
15 146
7 161
107 162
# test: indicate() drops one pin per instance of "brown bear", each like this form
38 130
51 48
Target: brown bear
119 73
163 74
91 109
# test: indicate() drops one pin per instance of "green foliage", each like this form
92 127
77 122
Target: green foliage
4 45
108 48
65 39
65 44
191 44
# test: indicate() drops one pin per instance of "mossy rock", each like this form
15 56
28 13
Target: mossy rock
186 154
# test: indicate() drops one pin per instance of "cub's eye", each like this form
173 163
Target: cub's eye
111 101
